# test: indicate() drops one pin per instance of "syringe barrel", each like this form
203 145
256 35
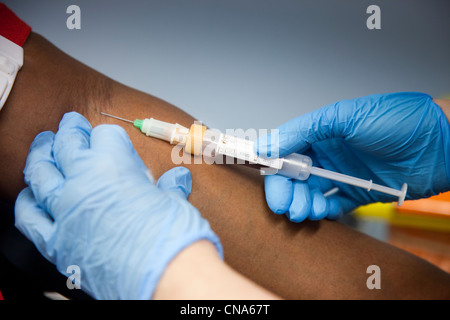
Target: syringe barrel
296 166
210 141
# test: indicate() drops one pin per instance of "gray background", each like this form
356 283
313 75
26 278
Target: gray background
254 63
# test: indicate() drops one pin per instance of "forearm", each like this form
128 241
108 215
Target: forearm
310 260
198 273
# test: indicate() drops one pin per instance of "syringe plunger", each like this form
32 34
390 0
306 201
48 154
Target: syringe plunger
299 167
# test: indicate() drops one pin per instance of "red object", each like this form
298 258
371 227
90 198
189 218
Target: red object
11 27
15 30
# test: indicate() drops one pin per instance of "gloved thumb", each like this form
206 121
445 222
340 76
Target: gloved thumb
299 133
177 180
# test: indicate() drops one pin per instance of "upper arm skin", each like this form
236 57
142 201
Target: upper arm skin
444 104
323 260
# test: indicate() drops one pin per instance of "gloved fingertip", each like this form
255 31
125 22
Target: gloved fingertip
335 210
319 207
43 136
299 213
110 138
279 206
279 191
40 149
24 194
111 132
25 202
27 212
266 146
260 146
114 128
278 210
33 222
73 117
301 204
176 179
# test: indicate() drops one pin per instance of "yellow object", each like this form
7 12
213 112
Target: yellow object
390 213
195 139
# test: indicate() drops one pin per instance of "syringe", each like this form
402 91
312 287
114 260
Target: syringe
199 139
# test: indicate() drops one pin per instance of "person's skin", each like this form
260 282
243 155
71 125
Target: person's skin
198 273
318 260
445 106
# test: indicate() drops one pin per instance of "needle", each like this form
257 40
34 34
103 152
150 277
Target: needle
109 115
331 192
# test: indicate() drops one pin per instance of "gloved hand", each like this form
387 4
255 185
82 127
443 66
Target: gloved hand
92 202
389 138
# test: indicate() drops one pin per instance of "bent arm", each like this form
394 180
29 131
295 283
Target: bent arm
310 260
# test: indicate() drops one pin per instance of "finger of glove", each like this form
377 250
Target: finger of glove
338 206
41 173
110 139
335 209
319 205
279 193
113 140
34 223
70 140
298 134
301 203
177 180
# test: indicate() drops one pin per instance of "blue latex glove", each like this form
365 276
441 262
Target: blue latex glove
389 138
91 202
